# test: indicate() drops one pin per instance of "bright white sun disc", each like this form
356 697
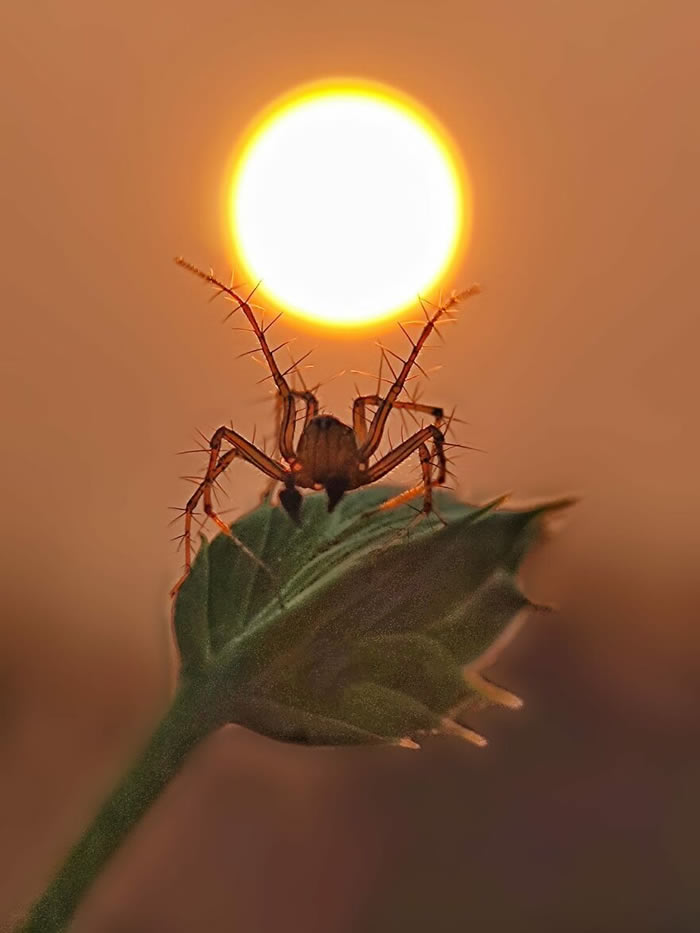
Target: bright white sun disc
346 203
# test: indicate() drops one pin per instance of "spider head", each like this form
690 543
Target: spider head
336 487
290 500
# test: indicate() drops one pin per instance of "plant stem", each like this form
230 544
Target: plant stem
189 719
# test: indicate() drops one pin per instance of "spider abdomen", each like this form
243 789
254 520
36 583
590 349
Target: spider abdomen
327 453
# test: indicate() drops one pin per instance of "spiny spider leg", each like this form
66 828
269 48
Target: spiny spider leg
310 404
424 488
359 422
246 451
310 401
304 394
312 407
391 460
376 428
286 439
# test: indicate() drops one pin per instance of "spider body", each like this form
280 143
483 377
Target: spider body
329 455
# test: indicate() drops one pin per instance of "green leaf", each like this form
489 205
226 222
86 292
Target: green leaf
361 622
191 618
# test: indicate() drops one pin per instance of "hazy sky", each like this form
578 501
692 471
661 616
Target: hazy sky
576 371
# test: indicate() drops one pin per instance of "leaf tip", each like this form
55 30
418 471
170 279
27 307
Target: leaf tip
450 727
491 506
544 608
492 692
554 515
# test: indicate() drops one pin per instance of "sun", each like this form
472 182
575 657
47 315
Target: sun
347 200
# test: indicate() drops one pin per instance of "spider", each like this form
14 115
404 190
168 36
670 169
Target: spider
329 455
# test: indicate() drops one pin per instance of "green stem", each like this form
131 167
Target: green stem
191 717
210 696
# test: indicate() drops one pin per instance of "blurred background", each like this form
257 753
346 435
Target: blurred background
576 370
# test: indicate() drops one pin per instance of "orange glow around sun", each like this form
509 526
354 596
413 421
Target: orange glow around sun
347 200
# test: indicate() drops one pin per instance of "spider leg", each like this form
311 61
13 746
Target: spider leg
401 499
376 428
242 448
310 401
286 435
304 395
311 410
425 487
389 462
392 459
359 421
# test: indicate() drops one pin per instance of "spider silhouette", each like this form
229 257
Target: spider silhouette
329 455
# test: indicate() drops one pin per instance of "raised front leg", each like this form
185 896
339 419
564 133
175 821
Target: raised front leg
376 428
286 438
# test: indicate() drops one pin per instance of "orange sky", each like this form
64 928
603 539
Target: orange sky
576 369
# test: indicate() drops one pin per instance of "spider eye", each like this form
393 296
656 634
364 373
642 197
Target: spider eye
290 500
